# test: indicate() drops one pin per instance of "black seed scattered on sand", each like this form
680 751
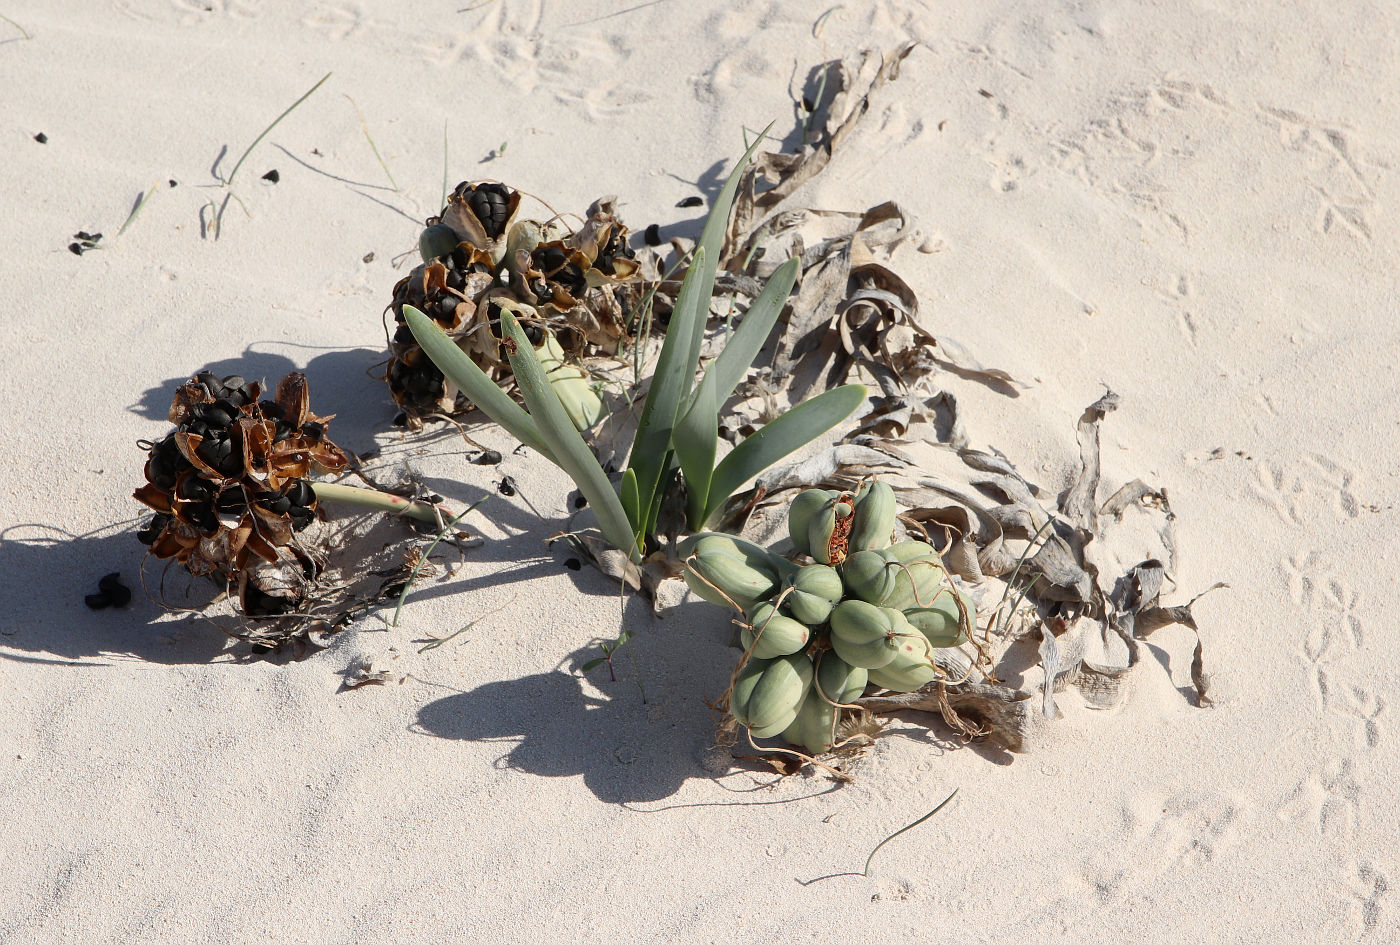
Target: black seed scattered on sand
118 594
506 486
691 201
41 138
486 458
573 564
367 257
96 601
653 235
173 182
75 248
580 501
400 419
272 175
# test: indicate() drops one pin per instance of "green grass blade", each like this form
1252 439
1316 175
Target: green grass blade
256 141
866 871
480 389
570 453
669 386
789 432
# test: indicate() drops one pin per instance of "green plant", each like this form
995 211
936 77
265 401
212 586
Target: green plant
679 427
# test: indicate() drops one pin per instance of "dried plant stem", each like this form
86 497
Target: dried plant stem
866 871
16 26
424 512
256 141
365 128
423 560
141 202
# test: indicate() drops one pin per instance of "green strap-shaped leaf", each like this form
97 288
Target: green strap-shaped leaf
631 502
696 441
712 240
670 383
570 453
727 370
787 433
480 389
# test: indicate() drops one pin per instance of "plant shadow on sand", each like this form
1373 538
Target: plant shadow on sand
626 750
338 380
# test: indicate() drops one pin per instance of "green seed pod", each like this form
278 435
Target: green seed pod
776 634
806 505
435 241
909 550
916 584
728 575
874 517
768 693
868 576
813 727
912 666
840 681
940 622
862 634
723 544
815 590
570 384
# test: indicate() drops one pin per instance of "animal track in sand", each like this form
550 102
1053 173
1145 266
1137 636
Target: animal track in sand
1309 492
1336 169
1328 797
339 21
1367 910
1186 831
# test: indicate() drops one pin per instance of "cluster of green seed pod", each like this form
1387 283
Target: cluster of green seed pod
865 611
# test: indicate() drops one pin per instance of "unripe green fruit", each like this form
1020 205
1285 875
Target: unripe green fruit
940 623
815 589
840 681
874 517
912 666
862 634
867 575
776 635
909 550
800 513
715 575
916 584
768 693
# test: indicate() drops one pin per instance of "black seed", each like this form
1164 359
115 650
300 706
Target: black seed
75 249
486 458
41 138
448 306
83 235
193 489
272 175
301 493
212 384
652 235
217 417
230 500
279 504
270 409
367 257
573 564
300 517
403 335
534 333
400 419
313 430
692 201
96 601
580 501
506 486
118 595
173 182
153 528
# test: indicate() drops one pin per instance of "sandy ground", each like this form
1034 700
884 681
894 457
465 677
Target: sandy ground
1189 203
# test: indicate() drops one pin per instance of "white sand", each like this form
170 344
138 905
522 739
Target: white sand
1189 203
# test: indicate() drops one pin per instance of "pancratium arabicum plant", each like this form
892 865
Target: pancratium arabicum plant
678 432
